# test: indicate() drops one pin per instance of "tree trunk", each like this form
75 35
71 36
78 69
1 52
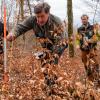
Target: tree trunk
29 7
70 26
22 14
22 9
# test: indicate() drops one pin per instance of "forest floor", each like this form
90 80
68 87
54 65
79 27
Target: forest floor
67 81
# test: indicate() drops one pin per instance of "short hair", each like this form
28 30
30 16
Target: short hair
84 16
42 7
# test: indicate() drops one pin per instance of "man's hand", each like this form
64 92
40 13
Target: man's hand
94 39
11 37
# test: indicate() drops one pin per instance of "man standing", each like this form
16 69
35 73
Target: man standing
88 42
47 28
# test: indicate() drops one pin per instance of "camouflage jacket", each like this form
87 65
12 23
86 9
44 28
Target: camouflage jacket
52 33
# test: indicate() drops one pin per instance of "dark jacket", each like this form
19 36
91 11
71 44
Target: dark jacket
88 32
1 36
1 28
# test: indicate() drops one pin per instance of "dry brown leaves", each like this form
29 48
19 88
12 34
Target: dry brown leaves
30 81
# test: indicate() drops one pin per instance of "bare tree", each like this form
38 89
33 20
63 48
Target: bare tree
1 8
70 26
95 5
28 2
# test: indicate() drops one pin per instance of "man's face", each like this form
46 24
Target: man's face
42 18
84 20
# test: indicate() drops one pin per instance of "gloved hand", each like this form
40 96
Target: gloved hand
40 55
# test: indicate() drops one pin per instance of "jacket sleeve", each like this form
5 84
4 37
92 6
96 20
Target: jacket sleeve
23 27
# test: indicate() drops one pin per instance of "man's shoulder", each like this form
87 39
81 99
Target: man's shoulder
31 18
55 19
91 26
80 28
